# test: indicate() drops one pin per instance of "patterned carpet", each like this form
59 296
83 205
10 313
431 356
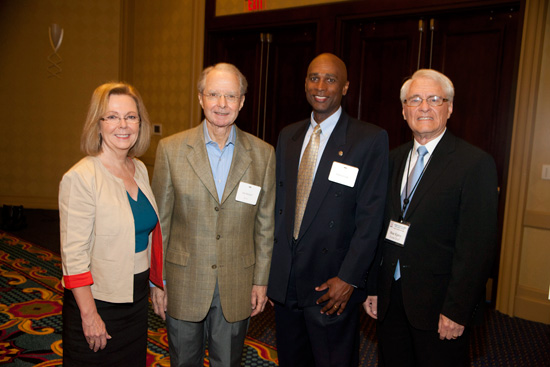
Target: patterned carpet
30 313
30 322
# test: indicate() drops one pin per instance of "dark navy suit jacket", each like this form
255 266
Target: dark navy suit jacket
341 224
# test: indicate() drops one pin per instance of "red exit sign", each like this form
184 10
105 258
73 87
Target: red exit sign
253 5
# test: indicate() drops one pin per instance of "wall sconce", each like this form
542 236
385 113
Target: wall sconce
56 37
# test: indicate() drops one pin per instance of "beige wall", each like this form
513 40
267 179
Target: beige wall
534 272
42 116
524 275
168 50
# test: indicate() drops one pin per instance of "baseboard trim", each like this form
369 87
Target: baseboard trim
532 304
30 202
536 219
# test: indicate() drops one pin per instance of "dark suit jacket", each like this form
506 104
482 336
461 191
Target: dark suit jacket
341 224
450 244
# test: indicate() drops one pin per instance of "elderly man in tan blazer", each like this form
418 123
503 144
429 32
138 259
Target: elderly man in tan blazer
215 189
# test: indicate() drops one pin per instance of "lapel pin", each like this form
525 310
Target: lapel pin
340 153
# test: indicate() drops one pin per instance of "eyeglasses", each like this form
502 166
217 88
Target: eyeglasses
231 98
116 119
433 101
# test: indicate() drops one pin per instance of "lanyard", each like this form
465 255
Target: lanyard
408 195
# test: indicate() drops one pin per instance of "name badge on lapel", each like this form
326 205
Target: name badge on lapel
343 174
397 233
248 193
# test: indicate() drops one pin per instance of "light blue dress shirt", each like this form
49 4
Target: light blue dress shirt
220 160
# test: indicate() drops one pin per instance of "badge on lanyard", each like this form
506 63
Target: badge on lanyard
397 232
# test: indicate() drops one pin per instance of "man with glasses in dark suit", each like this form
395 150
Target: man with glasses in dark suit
439 237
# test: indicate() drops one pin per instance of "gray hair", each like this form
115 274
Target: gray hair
434 75
222 66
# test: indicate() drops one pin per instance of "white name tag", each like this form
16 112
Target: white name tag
248 193
343 174
397 232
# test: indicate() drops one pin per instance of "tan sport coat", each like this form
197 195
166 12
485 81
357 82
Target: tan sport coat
205 239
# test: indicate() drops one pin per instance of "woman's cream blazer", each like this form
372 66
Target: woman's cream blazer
97 230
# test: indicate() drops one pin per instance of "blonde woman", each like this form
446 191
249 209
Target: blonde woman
111 243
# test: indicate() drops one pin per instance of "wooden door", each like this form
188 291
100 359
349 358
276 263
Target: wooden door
380 54
274 61
477 52
244 49
285 102
476 49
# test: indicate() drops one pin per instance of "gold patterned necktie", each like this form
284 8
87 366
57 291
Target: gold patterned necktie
305 177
